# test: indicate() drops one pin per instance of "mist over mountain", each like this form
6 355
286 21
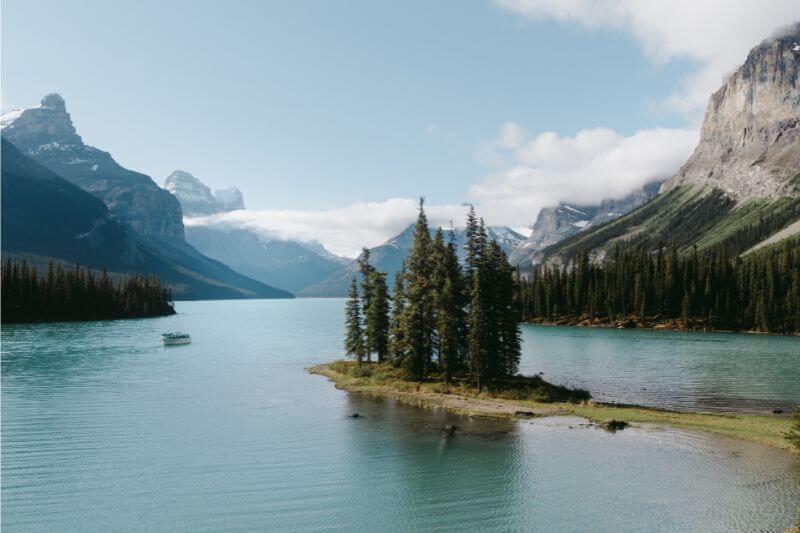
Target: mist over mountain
287 264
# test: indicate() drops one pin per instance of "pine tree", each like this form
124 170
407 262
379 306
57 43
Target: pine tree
377 317
477 337
354 336
418 313
397 337
450 317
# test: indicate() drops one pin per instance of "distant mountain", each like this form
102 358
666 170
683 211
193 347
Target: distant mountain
46 217
389 257
287 264
196 198
741 186
46 135
555 224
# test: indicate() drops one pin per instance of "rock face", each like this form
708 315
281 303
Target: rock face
741 186
749 140
555 224
195 198
47 135
389 257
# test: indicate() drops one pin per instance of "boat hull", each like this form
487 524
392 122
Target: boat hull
174 342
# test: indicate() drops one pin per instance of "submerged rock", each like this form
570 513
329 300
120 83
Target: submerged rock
614 425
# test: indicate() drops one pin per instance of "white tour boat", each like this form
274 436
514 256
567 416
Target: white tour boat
171 339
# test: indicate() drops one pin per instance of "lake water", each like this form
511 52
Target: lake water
105 429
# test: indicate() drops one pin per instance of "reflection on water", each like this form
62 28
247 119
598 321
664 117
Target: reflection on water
103 428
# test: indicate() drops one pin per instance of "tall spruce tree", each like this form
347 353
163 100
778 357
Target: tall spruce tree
377 317
449 307
396 333
418 313
354 335
477 337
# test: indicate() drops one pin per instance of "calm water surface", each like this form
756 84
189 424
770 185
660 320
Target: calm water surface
105 429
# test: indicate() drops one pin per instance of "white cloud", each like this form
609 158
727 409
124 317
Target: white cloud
595 164
717 34
343 230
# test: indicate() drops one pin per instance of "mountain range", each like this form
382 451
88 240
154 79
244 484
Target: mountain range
741 186
118 219
554 224
289 264
63 199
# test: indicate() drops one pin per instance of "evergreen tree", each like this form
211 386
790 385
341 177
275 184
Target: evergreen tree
418 313
449 308
75 295
397 337
477 337
377 317
354 336
759 291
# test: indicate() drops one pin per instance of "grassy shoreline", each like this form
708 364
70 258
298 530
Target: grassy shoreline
383 382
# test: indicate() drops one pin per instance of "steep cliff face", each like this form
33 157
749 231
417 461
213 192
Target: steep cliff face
47 135
741 186
750 140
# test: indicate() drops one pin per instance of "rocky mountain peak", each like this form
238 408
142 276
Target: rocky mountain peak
46 134
749 143
196 197
55 102
46 123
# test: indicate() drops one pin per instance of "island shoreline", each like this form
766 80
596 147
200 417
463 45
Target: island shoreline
763 429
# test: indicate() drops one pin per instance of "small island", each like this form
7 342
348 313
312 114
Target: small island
535 397
448 337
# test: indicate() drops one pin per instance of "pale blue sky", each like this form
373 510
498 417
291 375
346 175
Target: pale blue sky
313 107
319 104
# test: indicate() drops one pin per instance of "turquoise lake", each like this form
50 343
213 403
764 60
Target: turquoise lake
104 429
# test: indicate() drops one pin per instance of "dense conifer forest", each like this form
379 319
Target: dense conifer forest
442 320
78 294
641 287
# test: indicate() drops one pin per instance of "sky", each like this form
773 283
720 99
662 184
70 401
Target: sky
333 117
